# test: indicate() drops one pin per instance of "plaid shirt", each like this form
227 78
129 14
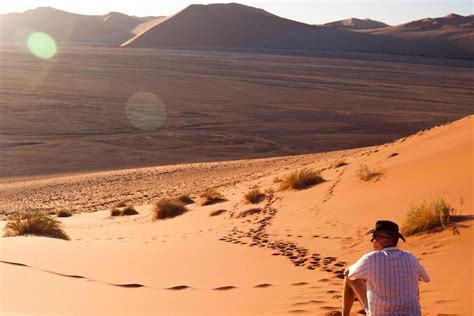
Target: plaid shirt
392 281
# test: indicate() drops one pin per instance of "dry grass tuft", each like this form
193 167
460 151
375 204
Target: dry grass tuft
428 215
63 213
129 211
115 212
34 223
168 208
254 196
217 212
365 174
301 179
121 204
185 199
211 196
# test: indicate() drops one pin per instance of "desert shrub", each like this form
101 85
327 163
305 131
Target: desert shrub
366 174
168 208
185 199
115 212
269 191
211 196
34 223
301 179
64 213
217 212
340 163
121 204
425 216
129 210
254 196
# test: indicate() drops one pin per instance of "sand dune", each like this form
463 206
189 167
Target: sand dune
216 25
355 23
110 29
283 257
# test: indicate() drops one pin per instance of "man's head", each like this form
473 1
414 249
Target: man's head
384 235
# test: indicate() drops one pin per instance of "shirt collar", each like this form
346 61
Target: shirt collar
390 249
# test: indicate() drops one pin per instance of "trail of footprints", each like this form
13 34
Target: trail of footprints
299 256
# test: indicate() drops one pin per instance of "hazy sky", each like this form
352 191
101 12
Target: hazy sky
309 11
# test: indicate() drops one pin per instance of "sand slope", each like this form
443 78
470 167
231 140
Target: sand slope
245 262
355 23
216 25
110 29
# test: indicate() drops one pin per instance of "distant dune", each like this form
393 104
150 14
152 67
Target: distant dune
110 29
216 25
243 27
354 23
238 26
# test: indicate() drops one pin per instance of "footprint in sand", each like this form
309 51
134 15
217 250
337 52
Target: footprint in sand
263 285
297 311
130 285
225 288
308 303
299 283
178 288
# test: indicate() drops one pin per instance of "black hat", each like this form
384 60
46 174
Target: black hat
387 228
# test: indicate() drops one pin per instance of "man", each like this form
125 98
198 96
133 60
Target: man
386 280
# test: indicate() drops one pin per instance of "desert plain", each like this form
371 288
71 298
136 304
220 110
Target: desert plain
233 122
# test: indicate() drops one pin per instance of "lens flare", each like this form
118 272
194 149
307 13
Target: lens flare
146 111
42 45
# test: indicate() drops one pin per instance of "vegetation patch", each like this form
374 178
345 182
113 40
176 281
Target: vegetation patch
63 213
121 204
254 196
364 173
34 223
185 199
168 208
301 179
115 212
426 216
211 196
129 211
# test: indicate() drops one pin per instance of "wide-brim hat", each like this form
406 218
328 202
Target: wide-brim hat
386 229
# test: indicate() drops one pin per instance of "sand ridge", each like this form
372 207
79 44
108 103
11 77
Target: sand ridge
284 255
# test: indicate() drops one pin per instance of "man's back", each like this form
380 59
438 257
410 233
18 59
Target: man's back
392 281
